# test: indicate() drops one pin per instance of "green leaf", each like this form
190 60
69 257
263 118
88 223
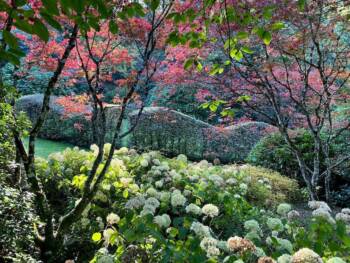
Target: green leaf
40 30
243 98
20 3
24 26
102 8
242 35
125 193
247 50
267 37
96 237
51 21
51 7
199 66
227 113
9 57
301 4
236 54
113 27
10 39
277 26
78 5
268 11
213 107
188 63
154 4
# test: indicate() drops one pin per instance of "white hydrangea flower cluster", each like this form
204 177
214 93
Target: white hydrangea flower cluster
314 205
152 192
259 252
200 230
243 188
164 196
163 221
209 245
193 209
231 181
210 210
175 176
275 224
306 255
252 225
122 151
321 210
217 180
182 158
284 245
335 260
344 215
107 234
254 230
285 258
135 202
150 206
293 214
112 219
177 199
283 209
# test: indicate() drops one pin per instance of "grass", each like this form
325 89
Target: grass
45 147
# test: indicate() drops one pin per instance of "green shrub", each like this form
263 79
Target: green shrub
272 152
269 187
17 221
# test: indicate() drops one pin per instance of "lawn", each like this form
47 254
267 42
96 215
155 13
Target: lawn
45 147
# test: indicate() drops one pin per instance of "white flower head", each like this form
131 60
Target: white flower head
319 204
252 225
243 187
113 219
163 221
213 252
285 258
275 224
306 255
200 230
231 181
135 203
346 211
151 201
182 158
193 209
208 242
159 184
323 213
283 209
285 244
210 210
293 214
152 192
343 217
144 163
335 260
177 199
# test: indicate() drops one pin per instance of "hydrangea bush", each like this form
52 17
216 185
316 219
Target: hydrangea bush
153 209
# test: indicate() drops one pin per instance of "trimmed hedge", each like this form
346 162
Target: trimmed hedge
158 128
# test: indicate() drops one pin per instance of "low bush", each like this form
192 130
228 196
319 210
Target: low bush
17 219
269 187
154 209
